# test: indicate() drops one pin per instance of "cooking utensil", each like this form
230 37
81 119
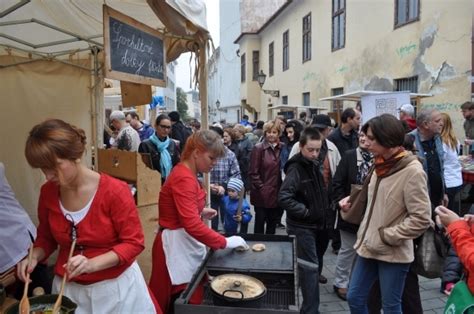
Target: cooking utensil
237 290
239 206
57 304
24 307
42 302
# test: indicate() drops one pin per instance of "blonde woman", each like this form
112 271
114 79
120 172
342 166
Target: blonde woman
265 179
452 167
452 269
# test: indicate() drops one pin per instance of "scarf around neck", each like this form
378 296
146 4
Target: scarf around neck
365 165
165 157
383 167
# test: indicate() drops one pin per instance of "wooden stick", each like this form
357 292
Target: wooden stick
57 304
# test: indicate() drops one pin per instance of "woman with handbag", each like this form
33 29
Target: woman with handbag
398 211
353 169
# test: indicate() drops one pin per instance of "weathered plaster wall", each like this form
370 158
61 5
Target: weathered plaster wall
437 49
255 13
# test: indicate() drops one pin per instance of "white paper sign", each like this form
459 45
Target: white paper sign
376 105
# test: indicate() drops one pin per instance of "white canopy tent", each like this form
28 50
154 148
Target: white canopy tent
356 96
51 66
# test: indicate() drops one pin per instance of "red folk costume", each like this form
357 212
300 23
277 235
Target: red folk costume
112 223
181 201
462 238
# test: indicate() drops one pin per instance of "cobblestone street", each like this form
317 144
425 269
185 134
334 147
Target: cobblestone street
432 299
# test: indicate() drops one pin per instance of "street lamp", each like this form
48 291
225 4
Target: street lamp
261 77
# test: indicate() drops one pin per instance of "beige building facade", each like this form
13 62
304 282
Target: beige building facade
323 48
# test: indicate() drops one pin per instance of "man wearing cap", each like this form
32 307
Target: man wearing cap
407 115
346 136
127 138
328 158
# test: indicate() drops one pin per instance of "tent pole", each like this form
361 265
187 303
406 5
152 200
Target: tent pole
204 106
96 110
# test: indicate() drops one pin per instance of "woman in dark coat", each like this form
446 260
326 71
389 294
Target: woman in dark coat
265 179
352 169
163 150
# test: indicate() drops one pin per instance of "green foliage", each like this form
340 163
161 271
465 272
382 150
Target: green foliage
182 103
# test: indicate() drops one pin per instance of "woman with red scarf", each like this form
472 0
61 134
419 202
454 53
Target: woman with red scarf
398 211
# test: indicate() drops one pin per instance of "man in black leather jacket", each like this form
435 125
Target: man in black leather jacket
302 195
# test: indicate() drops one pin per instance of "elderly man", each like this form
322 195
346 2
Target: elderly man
430 148
407 114
144 130
127 138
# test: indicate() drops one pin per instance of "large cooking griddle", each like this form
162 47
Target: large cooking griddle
278 255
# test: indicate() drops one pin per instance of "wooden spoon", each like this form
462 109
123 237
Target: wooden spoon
57 304
24 307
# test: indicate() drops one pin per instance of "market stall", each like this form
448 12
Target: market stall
52 65
359 96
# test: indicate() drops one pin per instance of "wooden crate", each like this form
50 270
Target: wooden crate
129 166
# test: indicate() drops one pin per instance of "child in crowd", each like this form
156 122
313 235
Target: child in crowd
229 204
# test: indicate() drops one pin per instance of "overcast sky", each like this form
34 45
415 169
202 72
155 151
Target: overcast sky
183 68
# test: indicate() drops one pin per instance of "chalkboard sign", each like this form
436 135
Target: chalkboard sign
134 52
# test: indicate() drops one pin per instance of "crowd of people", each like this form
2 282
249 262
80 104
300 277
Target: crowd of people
406 167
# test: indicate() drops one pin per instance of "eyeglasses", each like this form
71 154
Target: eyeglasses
165 126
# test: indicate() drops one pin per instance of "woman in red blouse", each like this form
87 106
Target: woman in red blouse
95 209
180 245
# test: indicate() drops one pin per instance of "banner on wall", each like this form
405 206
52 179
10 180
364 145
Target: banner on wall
375 105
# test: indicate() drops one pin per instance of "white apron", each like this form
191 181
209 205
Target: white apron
128 293
183 255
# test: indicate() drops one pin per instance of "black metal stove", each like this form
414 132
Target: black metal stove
276 267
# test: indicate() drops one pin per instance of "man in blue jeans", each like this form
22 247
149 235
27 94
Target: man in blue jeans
304 197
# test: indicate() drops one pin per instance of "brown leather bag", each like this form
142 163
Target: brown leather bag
358 200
